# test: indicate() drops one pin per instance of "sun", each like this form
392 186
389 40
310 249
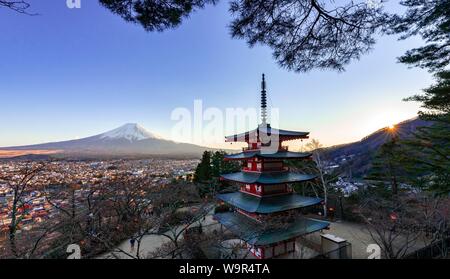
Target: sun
385 119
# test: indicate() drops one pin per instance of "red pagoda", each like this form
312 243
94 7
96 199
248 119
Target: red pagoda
265 194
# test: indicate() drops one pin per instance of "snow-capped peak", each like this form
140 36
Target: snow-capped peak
131 132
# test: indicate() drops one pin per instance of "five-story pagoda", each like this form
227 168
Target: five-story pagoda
265 211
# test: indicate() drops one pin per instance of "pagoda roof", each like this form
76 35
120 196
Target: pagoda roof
255 233
269 131
269 204
268 178
259 154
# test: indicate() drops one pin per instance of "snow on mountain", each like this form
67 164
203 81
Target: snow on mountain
129 139
131 132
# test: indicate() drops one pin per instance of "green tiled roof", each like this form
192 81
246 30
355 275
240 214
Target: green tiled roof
255 233
268 178
278 155
266 205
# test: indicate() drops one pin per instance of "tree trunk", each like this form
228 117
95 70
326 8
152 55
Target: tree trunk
325 195
341 208
13 227
12 243
394 186
325 205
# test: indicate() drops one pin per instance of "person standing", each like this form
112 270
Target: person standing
132 242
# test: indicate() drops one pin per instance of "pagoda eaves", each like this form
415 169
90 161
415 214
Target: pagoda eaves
270 204
258 154
254 135
269 178
255 233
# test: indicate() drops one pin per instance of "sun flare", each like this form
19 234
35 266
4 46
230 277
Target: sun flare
385 119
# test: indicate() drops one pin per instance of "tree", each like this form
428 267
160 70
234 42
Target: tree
392 225
155 15
220 166
429 150
315 146
303 34
18 6
431 21
436 99
308 34
213 165
431 144
21 183
410 221
175 226
208 172
325 178
203 170
216 163
170 214
388 166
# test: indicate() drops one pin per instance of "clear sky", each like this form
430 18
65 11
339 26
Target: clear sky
68 74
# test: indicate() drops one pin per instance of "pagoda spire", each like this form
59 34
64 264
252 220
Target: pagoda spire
263 101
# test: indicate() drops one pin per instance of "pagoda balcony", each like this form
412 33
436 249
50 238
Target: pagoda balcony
283 148
268 178
248 149
245 149
270 170
283 155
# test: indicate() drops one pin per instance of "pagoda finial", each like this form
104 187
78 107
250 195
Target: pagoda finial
263 100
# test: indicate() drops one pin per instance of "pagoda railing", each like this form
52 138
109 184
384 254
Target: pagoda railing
247 169
244 149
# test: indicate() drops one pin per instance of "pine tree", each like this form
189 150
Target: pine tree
212 165
431 145
217 162
429 150
227 166
431 21
389 166
203 170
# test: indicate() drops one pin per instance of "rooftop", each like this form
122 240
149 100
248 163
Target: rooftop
269 204
267 131
255 233
259 154
268 178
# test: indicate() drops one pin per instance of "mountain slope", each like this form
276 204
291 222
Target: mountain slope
357 156
129 139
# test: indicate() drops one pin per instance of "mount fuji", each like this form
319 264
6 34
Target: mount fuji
128 140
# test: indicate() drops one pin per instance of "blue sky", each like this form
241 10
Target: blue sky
71 73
